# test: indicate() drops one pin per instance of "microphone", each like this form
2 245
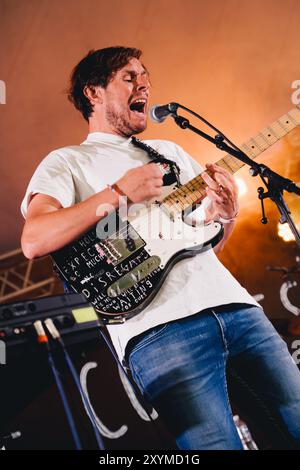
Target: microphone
159 112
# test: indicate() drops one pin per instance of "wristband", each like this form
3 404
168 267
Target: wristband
227 221
115 188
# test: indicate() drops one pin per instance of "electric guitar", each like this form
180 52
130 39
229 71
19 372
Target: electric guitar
120 264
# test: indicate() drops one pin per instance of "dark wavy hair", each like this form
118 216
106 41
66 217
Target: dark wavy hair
96 69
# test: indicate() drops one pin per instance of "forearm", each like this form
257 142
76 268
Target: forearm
52 230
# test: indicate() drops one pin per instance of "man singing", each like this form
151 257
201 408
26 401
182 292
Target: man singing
202 319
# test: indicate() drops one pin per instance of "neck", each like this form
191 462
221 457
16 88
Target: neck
186 196
98 124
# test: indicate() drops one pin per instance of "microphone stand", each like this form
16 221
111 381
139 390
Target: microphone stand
274 182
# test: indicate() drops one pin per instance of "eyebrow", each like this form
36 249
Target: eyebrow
133 72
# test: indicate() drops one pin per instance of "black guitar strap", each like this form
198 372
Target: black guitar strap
171 169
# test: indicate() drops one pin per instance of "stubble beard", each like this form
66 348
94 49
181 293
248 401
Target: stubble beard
123 125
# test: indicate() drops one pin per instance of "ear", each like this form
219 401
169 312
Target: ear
93 94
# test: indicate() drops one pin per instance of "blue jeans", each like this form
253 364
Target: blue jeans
180 367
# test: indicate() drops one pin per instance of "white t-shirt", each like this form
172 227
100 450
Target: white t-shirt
72 174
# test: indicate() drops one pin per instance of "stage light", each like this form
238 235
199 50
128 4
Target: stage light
242 187
285 232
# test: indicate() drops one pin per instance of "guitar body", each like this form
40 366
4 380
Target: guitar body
120 264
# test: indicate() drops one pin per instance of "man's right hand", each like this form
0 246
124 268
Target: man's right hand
49 226
143 183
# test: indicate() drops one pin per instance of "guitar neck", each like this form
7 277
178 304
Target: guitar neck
194 191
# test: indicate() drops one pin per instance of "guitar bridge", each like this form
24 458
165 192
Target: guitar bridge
119 245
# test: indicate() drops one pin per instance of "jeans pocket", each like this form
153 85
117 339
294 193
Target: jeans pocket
138 359
147 338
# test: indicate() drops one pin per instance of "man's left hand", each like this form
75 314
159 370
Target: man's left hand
222 190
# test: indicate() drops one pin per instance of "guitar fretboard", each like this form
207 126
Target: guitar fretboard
194 191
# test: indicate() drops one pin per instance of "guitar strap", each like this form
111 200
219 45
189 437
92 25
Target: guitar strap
170 168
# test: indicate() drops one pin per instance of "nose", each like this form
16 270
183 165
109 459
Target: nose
142 83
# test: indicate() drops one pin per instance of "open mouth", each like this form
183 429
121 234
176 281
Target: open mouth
138 106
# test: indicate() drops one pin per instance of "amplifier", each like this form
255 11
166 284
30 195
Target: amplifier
72 315
29 400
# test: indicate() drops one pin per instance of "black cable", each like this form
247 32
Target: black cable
131 381
57 337
43 341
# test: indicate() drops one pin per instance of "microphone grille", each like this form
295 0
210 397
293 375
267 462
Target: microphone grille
153 116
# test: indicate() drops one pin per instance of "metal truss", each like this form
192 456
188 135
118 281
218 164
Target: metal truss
22 278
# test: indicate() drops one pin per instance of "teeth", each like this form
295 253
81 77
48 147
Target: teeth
140 101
